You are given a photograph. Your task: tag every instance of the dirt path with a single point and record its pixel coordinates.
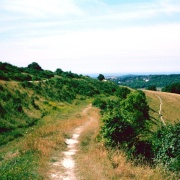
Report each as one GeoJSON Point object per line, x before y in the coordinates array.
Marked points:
{"type": "Point", "coordinates": [160, 109]}
{"type": "Point", "coordinates": [64, 167]}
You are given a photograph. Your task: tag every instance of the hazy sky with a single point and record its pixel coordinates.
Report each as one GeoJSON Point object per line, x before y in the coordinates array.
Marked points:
{"type": "Point", "coordinates": [92, 36]}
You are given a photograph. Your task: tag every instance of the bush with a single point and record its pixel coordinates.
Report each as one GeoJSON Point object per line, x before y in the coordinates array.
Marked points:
{"type": "Point", "coordinates": [126, 123]}
{"type": "Point", "coordinates": [116, 130]}
{"type": "Point", "coordinates": [166, 146]}
{"type": "Point", "coordinates": [3, 76]}
{"type": "Point", "coordinates": [99, 102]}
{"type": "Point", "coordinates": [122, 92]}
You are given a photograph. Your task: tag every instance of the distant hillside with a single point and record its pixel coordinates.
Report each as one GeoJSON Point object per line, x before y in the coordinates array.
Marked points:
{"type": "Point", "coordinates": [143, 81]}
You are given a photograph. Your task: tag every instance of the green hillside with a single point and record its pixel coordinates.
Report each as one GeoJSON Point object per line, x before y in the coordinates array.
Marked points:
{"type": "Point", "coordinates": [40, 108]}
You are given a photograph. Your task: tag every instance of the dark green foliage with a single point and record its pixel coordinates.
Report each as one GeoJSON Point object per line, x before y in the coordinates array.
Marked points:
{"type": "Point", "coordinates": [37, 72]}
{"type": "Point", "coordinates": [35, 66]}
{"type": "Point", "coordinates": [100, 77]}
{"type": "Point", "coordinates": [173, 88]}
{"type": "Point", "coordinates": [15, 103]}
{"type": "Point", "coordinates": [32, 72]}
{"type": "Point", "coordinates": [6, 67]}
{"type": "Point", "coordinates": [6, 71]}
{"type": "Point", "coordinates": [27, 84]}
{"type": "Point", "coordinates": [126, 124]}
{"type": "Point", "coordinates": [129, 115]}
{"type": "Point", "coordinates": [99, 102]}
{"type": "Point", "coordinates": [151, 87]}
{"type": "Point", "coordinates": [3, 76]}
{"type": "Point", "coordinates": [137, 109]}
{"type": "Point", "coordinates": [143, 81]}
{"type": "Point", "coordinates": [58, 72]}
{"type": "Point", "coordinates": [69, 74]}
{"type": "Point", "coordinates": [122, 92]}
{"type": "Point", "coordinates": [116, 129]}
{"type": "Point", "coordinates": [166, 146]}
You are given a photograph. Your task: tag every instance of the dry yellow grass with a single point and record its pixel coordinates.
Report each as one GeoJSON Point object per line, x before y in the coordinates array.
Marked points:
{"type": "Point", "coordinates": [170, 105]}
{"type": "Point", "coordinates": [48, 136]}
{"type": "Point", "coordinates": [95, 162]}
{"type": "Point", "coordinates": [50, 139]}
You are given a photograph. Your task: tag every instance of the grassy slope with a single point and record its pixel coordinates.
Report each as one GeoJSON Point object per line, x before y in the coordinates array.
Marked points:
{"type": "Point", "coordinates": [27, 156]}
{"type": "Point", "coordinates": [112, 164]}
{"type": "Point", "coordinates": [95, 162]}
{"type": "Point", "coordinates": [170, 106]}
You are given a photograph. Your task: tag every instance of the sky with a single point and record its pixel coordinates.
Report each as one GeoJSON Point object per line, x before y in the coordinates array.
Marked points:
{"type": "Point", "coordinates": [92, 36]}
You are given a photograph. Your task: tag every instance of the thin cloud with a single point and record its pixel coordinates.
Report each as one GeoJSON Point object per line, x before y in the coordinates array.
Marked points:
{"type": "Point", "coordinates": [41, 8]}
{"type": "Point", "coordinates": [90, 35]}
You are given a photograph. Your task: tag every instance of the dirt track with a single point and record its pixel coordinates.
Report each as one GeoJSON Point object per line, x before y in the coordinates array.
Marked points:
{"type": "Point", "coordinates": [63, 168]}
{"type": "Point", "coordinates": [160, 109]}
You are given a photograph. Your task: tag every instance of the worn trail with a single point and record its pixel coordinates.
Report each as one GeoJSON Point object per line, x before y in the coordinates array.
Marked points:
{"type": "Point", "coordinates": [67, 163]}
{"type": "Point", "coordinates": [160, 109]}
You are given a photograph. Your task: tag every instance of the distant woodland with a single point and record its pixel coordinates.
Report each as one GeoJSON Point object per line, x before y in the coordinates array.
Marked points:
{"type": "Point", "coordinates": [144, 81]}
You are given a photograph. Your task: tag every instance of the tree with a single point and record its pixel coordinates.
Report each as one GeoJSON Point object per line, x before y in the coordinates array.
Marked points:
{"type": "Point", "coordinates": [101, 77]}
{"type": "Point", "coordinates": [35, 66]}
{"type": "Point", "coordinates": [173, 88]}
{"type": "Point", "coordinates": [59, 71]}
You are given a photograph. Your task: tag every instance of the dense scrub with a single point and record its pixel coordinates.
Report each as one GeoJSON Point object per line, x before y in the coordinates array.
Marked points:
{"type": "Point", "coordinates": [19, 101]}
{"type": "Point", "coordinates": [126, 124]}
{"type": "Point", "coordinates": [166, 146]}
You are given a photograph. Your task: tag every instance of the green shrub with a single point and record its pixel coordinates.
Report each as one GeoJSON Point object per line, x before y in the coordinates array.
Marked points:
{"type": "Point", "coordinates": [3, 76]}
{"type": "Point", "coordinates": [99, 102]}
{"type": "Point", "coordinates": [126, 123]}
{"type": "Point", "coordinates": [116, 130]}
{"type": "Point", "coordinates": [122, 92]}
{"type": "Point", "coordinates": [166, 145]}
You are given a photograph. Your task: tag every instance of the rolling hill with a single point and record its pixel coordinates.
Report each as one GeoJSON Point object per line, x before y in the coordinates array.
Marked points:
{"type": "Point", "coordinates": [39, 109]}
